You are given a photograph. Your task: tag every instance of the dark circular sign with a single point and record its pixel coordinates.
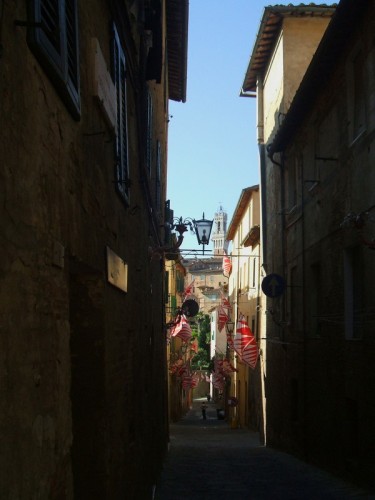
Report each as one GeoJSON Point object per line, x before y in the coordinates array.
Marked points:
{"type": "Point", "coordinates": [232, 401]}
{"type": "Point", "coordinates": [273, 285]}
{"type": "Point", "coordinates": [190, 307]}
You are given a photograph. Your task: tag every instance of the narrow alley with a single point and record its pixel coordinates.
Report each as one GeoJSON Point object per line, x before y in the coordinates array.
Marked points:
{"type": "Point", "coordinates": [209, 460]}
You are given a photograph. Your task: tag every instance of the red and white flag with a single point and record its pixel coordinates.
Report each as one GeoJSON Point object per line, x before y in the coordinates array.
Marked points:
{"type": "Point", "coordinates": [218, 381]}
{"type": "Point", "coordinates": [244, 343]}
{"type": "Point", "coordinates": [227, 266]}
{"type": "Point", "coordinates": [227, 367]}
{"type": "Point", "coordinates": [222, 318]}
{"type": "Point", "coordinates": [195, 380]}
{"type": "Point", "coordinates": [182, 330]}
{"type": "Point", "coordinates": [225, 302]}
{"type": "Point", "coordinates": [189, 289]}
{"type": "Point", "coordinates": [187, 382]}
{"type": "Point", "coordinates": [182, 371]}
{"type": "Point", "coordinates": [194, 345]}
{"type": "Point", "coordinates": [250, 353]}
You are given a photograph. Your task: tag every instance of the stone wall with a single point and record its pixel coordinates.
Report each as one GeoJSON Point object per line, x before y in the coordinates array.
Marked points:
{"type": "Point", "coordinates": [83, 378]}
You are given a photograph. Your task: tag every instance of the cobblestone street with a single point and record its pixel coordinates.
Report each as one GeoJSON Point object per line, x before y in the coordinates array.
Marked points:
{"type": "Point", "coordinates": [208, 460]}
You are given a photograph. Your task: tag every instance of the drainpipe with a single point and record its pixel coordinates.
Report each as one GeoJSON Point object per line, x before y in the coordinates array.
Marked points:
{"type": "Point", "coordinates": [262, 166]}
{"type": "Point", "coordinates": [260, 111]}
{"type": "Point", "coordinates": [263, 207]}
{"type": "Point", "coordinates": [304, 325]}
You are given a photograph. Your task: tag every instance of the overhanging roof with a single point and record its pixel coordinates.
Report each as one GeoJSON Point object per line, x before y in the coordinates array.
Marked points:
{"type": "Point", "coordinates": [177, 47]}
{"type": "Point", "coordinates": [268, 33]}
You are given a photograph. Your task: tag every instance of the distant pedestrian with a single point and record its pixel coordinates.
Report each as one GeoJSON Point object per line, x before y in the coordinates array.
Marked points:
{"type": "Point", "coordinates": [204, 408]}
{"type": "Point", "coordinates": [208, 397]}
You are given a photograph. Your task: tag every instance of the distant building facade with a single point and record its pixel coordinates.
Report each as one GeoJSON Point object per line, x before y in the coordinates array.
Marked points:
{"type": "Point", "coordinates": [208, 280]}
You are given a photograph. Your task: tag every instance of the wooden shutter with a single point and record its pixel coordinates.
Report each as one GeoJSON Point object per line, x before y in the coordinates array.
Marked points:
{"type": "Point", "coordinates": [72, 44]}
{"type": "Point", "coordinates": [158, 177]}
{"type": "Point", "coordinates": [150, 112]}
{"type": "Point", "coordinates": [53, 38]}
{"type": "Point", "coordinates": [121, 146]}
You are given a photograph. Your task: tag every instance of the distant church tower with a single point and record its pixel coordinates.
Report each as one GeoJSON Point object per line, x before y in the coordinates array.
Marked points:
{"type": "Point", "coordinates": [219, 232]}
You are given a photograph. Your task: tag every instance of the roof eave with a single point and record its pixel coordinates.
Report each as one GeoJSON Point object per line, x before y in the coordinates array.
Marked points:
{"type": "Point", "coordinates": [268, 32]}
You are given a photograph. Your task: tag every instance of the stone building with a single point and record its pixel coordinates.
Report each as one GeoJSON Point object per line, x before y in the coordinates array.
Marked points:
{"type": "Point", "coordinates": [244, 296]}
{"type": "Point", "coordinates": [83, 147]}
{"type": "Point", "coordinates": [318, 231]}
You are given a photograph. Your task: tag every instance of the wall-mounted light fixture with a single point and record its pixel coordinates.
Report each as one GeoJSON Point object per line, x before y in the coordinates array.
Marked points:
{"type": "Point", "coordinates": [201, 228]}
{"type": "Point", "coordinates": [229, 325]}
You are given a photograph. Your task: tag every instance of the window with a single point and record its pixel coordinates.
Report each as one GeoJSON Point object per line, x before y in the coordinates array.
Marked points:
{"type": "Point", "coordinates": [53, 38]}
{"type": "Point", "coordinates": [356, 79]}
{"type": "Point", "coordinates": [254, 273]}
{"type": "Point", "coordinates": [314, 299]}
{"type": "Point", "coordinates": [326, 146]}
{"type": "Point", "coordinates": [359, 94]}
{"type": "Point", "coordinates": [293, 172]}
{"type": "Point", "coordinates": [149, 133]}
{"type": "Point", "coordinates": [121, 143]}
{"type": "Point", "coordinates": [166, 287]}
{"type": "Point", "coordinates": [158, 177]}
{"type": "Point", "coordinates": [353, 275]}
{"type": "Point", "coordinates": [245, 280]}
{"type": "Point", "coordinates": [295, 296]}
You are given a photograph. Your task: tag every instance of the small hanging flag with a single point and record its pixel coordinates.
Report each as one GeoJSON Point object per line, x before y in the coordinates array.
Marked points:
{"type": "Point", "coordinates": [182, 330]}
{"type": "Point", "coordinates": [222, 318]}
{"type": "Point", "coordinates": [227, 266]}
{"type": "Point", "coordinates": [244, 343]}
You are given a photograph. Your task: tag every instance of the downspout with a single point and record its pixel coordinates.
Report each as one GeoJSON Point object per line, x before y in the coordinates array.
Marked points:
{"type": "Point", "coordinates": [263, 207]}
{"type": "Point", "coordinates": [262, 167]}
{"type": "Point", "coordinates": [304, 305]}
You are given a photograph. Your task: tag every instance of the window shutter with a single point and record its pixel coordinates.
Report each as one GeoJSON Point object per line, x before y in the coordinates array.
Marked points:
{"type": "Point", "coordinates": [149, 132]}
{"type": "Point", "coordinates": [53, 38]}
{"type": "Point", "coordinates": [72, 44]}
{"type": "Point", "coordinates": [158, 177]}
{"type": "Point", "coordinates": [50, 18]}
{"type": "Point", "coordinates": [121, 151]}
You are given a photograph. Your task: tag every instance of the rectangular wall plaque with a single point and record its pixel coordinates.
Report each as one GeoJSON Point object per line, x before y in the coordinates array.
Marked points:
{"type": "Point", "coordinates": [117, 271]}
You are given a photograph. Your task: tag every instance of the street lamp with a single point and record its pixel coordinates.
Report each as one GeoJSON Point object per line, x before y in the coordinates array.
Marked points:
{"type": "Point", "coordinates": [229, 325]}
{"type": "Point", "coordinates": [203, 230]}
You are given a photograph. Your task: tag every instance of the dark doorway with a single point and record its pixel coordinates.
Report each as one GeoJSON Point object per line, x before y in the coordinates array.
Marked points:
{"type": "Point", "coordinates": [86, 290]}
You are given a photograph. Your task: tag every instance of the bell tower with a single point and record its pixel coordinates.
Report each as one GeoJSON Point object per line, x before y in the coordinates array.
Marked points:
{"type": "Point", "coordinates": [219, 232]}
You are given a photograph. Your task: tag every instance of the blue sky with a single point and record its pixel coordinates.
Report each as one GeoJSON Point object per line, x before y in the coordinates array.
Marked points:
{"type": "Point", "coordinates": [212, 147]}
